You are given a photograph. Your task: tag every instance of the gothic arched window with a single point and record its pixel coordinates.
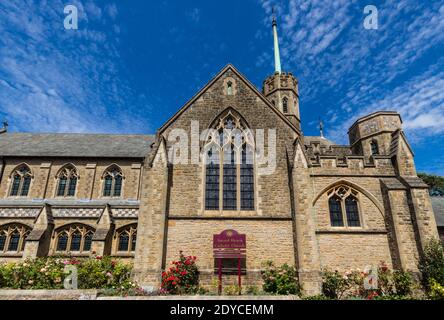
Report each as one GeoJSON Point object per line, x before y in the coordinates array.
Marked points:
{"type": "Point", "coordinates": [285, 105]}
{"type": "Point", "coordinates": [343, 207]}
{"type": "Point", "coordinates": [75, 238]}
{"type": "Point", "coordinates": [21, 181]}
{"type": "Point", "coordinates": [112, 186]}
{"type": "Point", "coordinates": [375, 148]}
{"type": "Point", "coordinates": [229, 166]}
{"type": "Point", "coordinates": [67, 181]}
{"type": "Point", "coordinates": [13, 237]}
{"type": "Point", "coordinates": [126, 239]}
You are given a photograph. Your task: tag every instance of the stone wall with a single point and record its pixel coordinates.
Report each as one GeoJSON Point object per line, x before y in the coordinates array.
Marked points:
{"type": "Point", "coordinates": [90, 184]}
{"type": "Point", "coordinates": [266, 240]}
{"type": "Point", "coordinates": [272, 191]}
{"type": "Point", "coordinates": [345, 251]}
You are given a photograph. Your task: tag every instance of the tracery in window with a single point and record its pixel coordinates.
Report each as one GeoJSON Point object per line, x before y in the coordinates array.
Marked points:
{"type": "Point", "coordinates": [76, 238]}
{"type": "Point", "coordinates": [67, 181]}
{"type": "Point", "coordinates": [112, 186]}
{"type": "Point", "coordinates": [229, 166]}
{"type": "Point", "coordinates": [126, 238]}
{"type": "Point", "coordinates": [13, 238]}
{"type": "Point", "coordinates": [21, 181]}
{"type": "Point", "coordinates": [343, 206]}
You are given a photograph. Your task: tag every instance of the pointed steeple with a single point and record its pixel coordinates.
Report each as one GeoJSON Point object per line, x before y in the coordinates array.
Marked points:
{"type": "Point", "coordinates": [277, 55]}
{"type": "Point", "coordinates": [321, 128]}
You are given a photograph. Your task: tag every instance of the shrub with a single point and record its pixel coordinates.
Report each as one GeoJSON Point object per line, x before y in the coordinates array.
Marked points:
{"type": "Point", "coordinates": [317, 297]}
{"type": "Point", "coordinates": [280, 280]}
{"type": "Point", "coordinates": [232, 290]}
{"type": "Point", "coordinates": [48, 273]}
{"type": "Point", "coordinates": [252, 290]}
{"type": "Point", "coordinates": [182, 278]}
{"type": "Point", "coordinates": [104, 273]}
{"type": "Point", "coordinates": [391, 284]}
{"type": "Point", "coordinates": [334, 284]}
{"type": "Point", "coordinates": [436, 291]}
{"type": "Point", "coordinates": [403, 283]}
{"type": "Point", "coordinates": [432, 264]}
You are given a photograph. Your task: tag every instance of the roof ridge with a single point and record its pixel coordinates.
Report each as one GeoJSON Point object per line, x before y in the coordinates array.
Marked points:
{"type": "Point", "coordinates": [79, 134]}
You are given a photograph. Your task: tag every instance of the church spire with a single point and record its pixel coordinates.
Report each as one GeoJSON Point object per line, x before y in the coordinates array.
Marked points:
{"type": "Point", "coordinates": [277, 56]}
{"type": "Point", "coordinates": [321, 128]}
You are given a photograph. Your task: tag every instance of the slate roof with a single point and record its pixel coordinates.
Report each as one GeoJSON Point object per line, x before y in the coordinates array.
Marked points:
{"type": "Point", "coordinates": [438, 209]}
{"type": "Point", "coordinates": [322, 146]}
{"type": "Point", "coordinates": [75, 145]}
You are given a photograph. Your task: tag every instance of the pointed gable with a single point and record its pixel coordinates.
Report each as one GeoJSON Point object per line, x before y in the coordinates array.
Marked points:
{"type": "Point", "coordinates": [229, 69]}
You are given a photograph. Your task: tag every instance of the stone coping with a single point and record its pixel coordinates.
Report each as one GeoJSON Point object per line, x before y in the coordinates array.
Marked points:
{"type": "Point", "coordinates": [206, 298]}
{"type": "Point", "coordinates": [10, 294]}
{"type": "Point", "coordinates": [93, 295]}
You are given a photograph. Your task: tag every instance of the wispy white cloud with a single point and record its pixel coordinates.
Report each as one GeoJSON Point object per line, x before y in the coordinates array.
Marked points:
{"type": "Point", "coordinates": [52, 79]}
{"type": "Point", "coordinates": [361, 71]}
{"type": "Point", "coordinates": [194, 15]}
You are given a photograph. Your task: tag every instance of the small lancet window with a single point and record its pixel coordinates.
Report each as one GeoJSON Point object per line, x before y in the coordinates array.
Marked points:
{"type": "Point", "coordinates": [21, 181]}
{"type": "Point", "coordinates": [126, 239]}
{"type": "Point", "coordinates": [67, 182]}
{"type": "Point", "coordinates": [113, 182]}
{"type": "Point", "coordinates": [230, 88]}
{"type": "Point", "coordinates": [285, 105]}
{"type": "Point", "coordinates": [374, 147]}
{"type": "Point", "coordinates": [351, 208]}
{"type": "Point", "coordinates": [336, 218]}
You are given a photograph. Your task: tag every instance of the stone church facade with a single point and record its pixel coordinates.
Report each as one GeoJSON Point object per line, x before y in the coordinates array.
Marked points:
{"type": "Point", "coordinates": [321, 205]}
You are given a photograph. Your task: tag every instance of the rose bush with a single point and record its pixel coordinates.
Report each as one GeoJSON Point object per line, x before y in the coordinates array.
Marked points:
{"type": "Point", "coordinates": [391, 284]}
{"type": "Point", "coordinates": [182, 277]}
{"type": "Point", "coordinates": [48, 273]}
{"type": "Point", "coordinates": [280, 280]}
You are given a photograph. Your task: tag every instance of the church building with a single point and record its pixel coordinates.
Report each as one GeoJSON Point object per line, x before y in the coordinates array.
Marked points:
{"type": "Point", "coordinates": [250, 188]}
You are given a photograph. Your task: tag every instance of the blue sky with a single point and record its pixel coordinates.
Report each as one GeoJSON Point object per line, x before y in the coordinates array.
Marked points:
{"type": "Point", "coordinates": [132, 64]}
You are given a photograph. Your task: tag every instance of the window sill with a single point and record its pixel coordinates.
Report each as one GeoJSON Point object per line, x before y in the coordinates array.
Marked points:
{"type": "Point", "coordinates": [72, 254]}
{"type": "Point", "coordinates": [351, 231]}
{"type": "Point", "coordinates": [11, 255]}
{"type": "Point", "coordinates": [230, 213]}
{"type": "Point", "coordinates": [123, 255]}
